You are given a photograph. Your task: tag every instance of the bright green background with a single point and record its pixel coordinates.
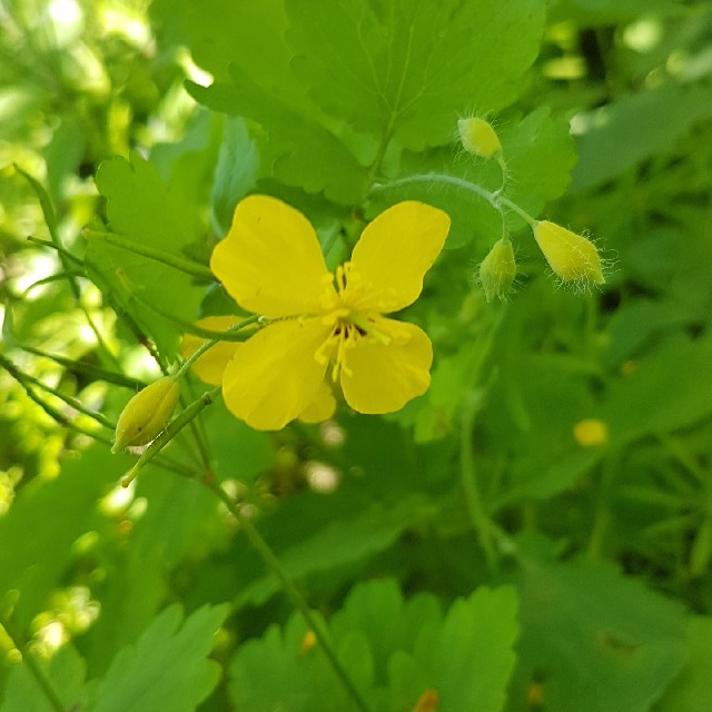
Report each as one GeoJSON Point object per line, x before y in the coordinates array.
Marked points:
{"type": "Point", "coordinates": [153, 120]}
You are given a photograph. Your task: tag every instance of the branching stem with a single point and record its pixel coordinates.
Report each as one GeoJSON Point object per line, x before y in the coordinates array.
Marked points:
{"type": "Point", "coordinates": [496, 199]}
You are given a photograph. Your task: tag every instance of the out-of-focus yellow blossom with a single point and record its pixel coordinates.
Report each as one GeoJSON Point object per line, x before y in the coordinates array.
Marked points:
{"type": "Point", "coordinates": [591, 432]}
{"type": "Point", "coordinates": [572, 257]}
{"type": "Point", "coordinates": [271, 263]}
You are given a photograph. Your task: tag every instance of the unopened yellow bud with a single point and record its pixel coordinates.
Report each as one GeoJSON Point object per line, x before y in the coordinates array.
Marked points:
{"type": "Point", "coordinates": [146, 414]}
{"type": "Point", "coordinates": [572, 257]}
{"type": "Point", "coordinates": [498, 270]}
{"type": "Point", "coordinates": [478, 137]}
{"type": "Point", "coordinates": [591, 432]}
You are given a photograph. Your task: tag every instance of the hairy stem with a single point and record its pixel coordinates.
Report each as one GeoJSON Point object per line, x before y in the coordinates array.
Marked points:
{"type": "Point", "coordinates": [496, 200]}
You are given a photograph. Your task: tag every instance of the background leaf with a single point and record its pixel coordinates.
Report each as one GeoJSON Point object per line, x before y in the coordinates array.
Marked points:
{"type": "Point", "coordinates": [167, 667]}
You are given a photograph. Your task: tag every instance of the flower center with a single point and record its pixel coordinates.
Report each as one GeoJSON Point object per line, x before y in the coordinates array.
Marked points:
{"type": "Point", "coordinates": [349, 324]}
{"type": "Point", "coordinates": [348, 329]}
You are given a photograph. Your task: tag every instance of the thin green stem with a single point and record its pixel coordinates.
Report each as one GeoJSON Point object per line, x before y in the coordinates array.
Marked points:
{"type": "Point", "coordinates": [182, 264]}
{"type": "Point", "coordinates": [64, 253]}
{"type": "Point", "coordinates": [58, 277]}
{"type": "Point", "coordinates": [36, 671]}
{"type": "Point", "coordinates": [89, 369]}
{"type": "Point", "coordinates": [69, 400]}
{"type": "Point", "coordinates": [50, 218]}
{"type": "Point", "coordinates": [187, 326]}
{"type": "Point", "coordinates": [496, 200]}
{"type": "Point", "coordinates": [468, 471]}
{"type": "Point", "coordinates": [26, 384]}
{"type": "Point", "coordinates": [523, 214]}
{"type": "Point", "coordinates": [477, 390]}
{"type": "Point", "coordinates": [203, 348]}
{"type": "Point", "coordinates": [274, 564]}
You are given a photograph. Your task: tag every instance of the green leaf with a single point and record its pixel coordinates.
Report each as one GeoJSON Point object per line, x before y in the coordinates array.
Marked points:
{"type": "Point", "coordinates": [635, 324]}
{"type": "Point", "coordinates": [278, 672]}
{"type": "Point", "coordinates": [236, 170]}
{"type": "Point", "coordinates": [691, 691]}
{"type": "Point", "coordinates": [180, 521]}
{"type": "Point", "coordinates": [141, 208]}
{"type": "Point", "coordinates": [395, 649]}
{"type": "Point", "coordinates": [540, 154]}
{"type": "Point", "coordinates": [610, 12]}
{"type": "Point", "coordinates": [239, 452]}
{"type": "Point", "coordinates": [585, 627]}
{"type": "Point", "coordinates": [407, 69]}
{"type": "Point", "coordinates": [670, 385]}
{"type": "Point", "coordinates": [168, 668]}
{"type": "Point", "coordinates": [56, 512]}
{"type": "Point", "coordinates": [65, 673]}
{"type": "Point", "coordinates": [615, 138]}
{"type": "Point", "coordinates": [63, 154]}
{"type": "Point", "coordinates": [300, 151]}
{"type": "Point", "coordinates": [339, 542]}
{"type": "Point", "coordinates": [467, 660]}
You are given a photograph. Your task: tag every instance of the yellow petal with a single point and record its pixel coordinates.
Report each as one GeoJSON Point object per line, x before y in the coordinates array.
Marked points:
{"type": "Point", "coordinates": [275, 374]}
{"type": "Point", "coordinates": [270, 262]}
{"type": "Point", "coordinates": [385, 369]}
{"type": "Point", "coordinates": [321, 408]}
{"type": "Point", "coordinates": [210, 366]}
{"type": "Point", "coordinates": [392, 256]}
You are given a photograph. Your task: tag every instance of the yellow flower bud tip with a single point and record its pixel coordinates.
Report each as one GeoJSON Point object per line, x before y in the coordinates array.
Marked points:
{"type": "Point", "coordinates": [478, 137]}
{"type": "Point", "coordinates": [591, 432]}
{"type": "Point", "coordinates": [572, 257]}
{"type": "Point", "coordinates": [498, 270]}
{"type": "Point", "coordinates": [146, 414]}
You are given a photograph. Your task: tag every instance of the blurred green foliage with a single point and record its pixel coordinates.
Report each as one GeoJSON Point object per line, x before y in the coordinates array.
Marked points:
{"type": "Point", "coordinates": [486, 548]}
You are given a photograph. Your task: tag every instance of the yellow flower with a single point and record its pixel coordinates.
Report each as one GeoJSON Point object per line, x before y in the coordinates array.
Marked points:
{"type": "Point", "coordinates": [572, 257]}
{"type": "Point", "coordinates": [591, 432]}
{"type": "Point", "coordinates": [324, 325]}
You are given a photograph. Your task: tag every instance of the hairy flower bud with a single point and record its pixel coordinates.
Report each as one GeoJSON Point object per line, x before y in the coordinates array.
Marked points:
{"type": "Point", "coordinates": [146, 414]}
{"type": "Point", "coordinates": [478, 137]}
{"type": "Point", "coordinates": [572, 257]}
{"type": "Point", "coordinates": [498, 270]}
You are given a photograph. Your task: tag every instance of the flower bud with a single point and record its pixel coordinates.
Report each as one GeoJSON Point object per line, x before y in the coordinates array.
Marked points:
{"type": "Point", "coordinates": [478, 137]}
{"type": "Point", "coordinates": [498, 270]}
{"type": "Point", "coordinates": [572, 257]}
{"type": "Point", "coordinates": [146, 414]}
